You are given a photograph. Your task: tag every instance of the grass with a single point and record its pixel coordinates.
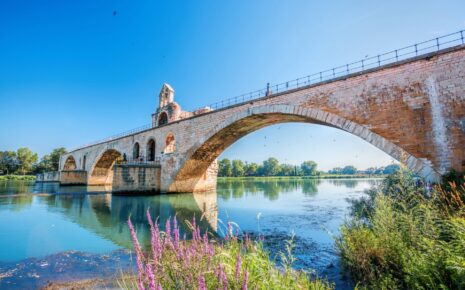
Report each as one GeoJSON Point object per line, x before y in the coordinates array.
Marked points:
{"type": "Point", "coordinates": [207, 263]}
{"type": "Point", "coordinates": [17, 177]}
{"type": "Point", "coordinates": [405, 236]}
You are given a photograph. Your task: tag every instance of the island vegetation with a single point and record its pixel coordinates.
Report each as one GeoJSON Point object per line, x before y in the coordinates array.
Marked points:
{"type": "Point", "coordinates": [273, 168]}
{"type": "Point", "coordinates": [23, 163]}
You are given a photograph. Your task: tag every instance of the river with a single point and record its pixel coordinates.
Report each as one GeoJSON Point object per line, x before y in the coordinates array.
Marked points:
{"type": "Point", "coordinates": [53, 233]}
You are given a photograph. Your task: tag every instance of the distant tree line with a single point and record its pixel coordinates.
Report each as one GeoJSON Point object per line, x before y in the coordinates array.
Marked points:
{"type": "Point", "coordinates": [272, 167]}
{"type": "Point", "coordinates": [269, 167]}
{"type": "Point", "coordinates": [23, 161]}
{"type": "Point", "coordinates": [349, 169]}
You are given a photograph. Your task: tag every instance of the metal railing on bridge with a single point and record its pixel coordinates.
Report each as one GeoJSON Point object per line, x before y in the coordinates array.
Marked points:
{"type": "Point", "coordinates": [418, 49]}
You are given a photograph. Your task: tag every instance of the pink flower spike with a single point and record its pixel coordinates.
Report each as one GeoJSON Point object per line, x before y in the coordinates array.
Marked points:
{"type": "Point", "coordinates": [202, 285]}
{"type": "Point", "coordinates": [238, 266]}
{"type": "Point", "coordinates": [137, 249]}
{"type": "Point", "coordinates": [246, 278]}
{"type": "Point", "coordinates": [150, 277]}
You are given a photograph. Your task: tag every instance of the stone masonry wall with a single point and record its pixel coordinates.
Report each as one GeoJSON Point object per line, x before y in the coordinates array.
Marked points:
{"type": "Point", "coordinates": [133, 178]}
{"type": "Point", "coordinates": [73, 177]}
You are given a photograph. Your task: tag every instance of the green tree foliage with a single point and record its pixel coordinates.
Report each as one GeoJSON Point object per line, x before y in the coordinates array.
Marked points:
{"type": "Point", "coordinates": [238, 168]}
{"type": "Point", "coordinates": [349, 169]}
{"type": "Point", "coordinates": [390, 169]}
{"type": "Point", "coordinates": [271, 167]}
{"type": "Point", "coordinates": [308, 168]}
{"type": "Point", "coordinates": [8, 162]}
{"type": "Point", "coordinates": [50, 162]}
{"type": "Point", "coordinates": [251, 169]}
{"type": "Point", "coordinates": [335, 170]}
{"type": "Point", "coordinates": [287, 170]}
{"type": "Point", "coordinates": [26, 159]}
{"type": "Point", "coordinates": [225, 168]}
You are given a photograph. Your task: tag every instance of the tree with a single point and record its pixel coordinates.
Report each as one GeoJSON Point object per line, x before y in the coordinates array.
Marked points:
{"type": "Point", "coordinates": [308, 168]}
{"type": "Point", "coordinates": [238, 168]}
{"type": "Point", "coordinates": [50, 162]}
{"type": "Point", "coordinates": [335, 170]}
{"type": "Point", "coordinates": [287, 170]}
{"type": "Point", "coordinates": [390, 169]}
{"type": "Point", "coordinates": [26, 158]}
{"type": "Point", "coordinates": [8, 162]}
{"type": "Point", "coordinates": [349, 169]}
{"type": "Point", "coordinates": [271, 167]}
{"type": "Point", "coordinates": [251, 169]}
{"type": "Point", "coordinates": [225, 168]}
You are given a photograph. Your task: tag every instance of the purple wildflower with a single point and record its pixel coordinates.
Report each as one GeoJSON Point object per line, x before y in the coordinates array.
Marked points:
{"type": "Point", "coordinates": [139, 254]}
{"type": "Point", "coordinates": [155, 237]}
{"type": "Point", "coordinates": [150, 277]}
{"type": "Point", "coordinates": [202, 285]}
{"type": "Point", "coordinates": [246, 278]}
{"type": "Point", "coordinates": [238, 266]}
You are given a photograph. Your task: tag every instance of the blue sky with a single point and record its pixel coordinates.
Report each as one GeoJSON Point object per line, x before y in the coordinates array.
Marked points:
{"type": "Point", "coordinates": [76, 71]}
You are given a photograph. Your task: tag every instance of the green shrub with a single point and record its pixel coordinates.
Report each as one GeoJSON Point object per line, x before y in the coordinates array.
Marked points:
{"type": "Point", "coordinates": [17, 177]}
{"type": "Point", "coordinates": [404, 237]}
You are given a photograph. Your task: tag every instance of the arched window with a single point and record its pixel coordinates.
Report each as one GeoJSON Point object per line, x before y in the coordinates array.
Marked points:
{"type": "Point", "coordinates": [163, 119]}
{"type": "Point", "coordinates": [136, 151]}
{"type": "Point", "coordinates": [170, 144]}
{"type": "Point", "coordinates": [151, 150]}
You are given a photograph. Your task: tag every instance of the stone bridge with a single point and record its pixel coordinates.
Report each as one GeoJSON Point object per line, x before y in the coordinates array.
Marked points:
{"type": "Point", "coordinates": [414, 110]}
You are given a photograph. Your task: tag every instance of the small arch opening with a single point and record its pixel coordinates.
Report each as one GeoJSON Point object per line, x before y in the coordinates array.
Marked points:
{"type": "Point", "coordinates": [70, 163]}
{"type": "Point", "coordinates": [170, 146]}
{"type": "Point", "coordinates": [84, 159]}
{"type": "Point", "coordinates": [151, 150]}
{"type": "Point", "coordinates": [163, 119]}
{"type": "Point", "coordinates": [136, 151]}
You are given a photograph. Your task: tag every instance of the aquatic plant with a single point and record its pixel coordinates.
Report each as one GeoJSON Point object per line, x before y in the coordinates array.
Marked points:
{"type": "Point", "coordinates": [204, 262]}
{"type": "Point", "coordinates": [406, 236]}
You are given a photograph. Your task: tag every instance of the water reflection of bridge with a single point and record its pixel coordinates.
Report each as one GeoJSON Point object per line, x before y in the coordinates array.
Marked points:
{"type": "Point", "coordinates": [107, 215]}
{"type": "Point", "coordinates": [96, 210]}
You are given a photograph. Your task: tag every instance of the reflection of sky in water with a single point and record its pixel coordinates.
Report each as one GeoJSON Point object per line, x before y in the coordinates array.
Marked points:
{"type": "Point", "coordinates": [54, 219]}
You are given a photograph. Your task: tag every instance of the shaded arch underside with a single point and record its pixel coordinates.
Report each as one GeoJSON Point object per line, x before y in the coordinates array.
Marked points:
{"type": "Point", "coordinates": [200, 163]}
{"type": "Point", "coordinates": [70, 163]}
{"type": "Point", "coordinates": [102, 172]}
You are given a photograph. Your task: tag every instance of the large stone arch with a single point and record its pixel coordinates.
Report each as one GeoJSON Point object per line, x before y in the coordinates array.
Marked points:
{"type": "Point", "coordinates": [196, 170]}
{"type": "Point", "coordinates": [101, 172]}
{"type": "Point", "coordinates": [70, 163]}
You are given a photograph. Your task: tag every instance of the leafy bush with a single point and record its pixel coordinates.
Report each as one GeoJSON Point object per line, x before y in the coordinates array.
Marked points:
{"type": "Point", "coordinates": [205, 263]}
{"type": "Point", "coordinates": [404, 236]}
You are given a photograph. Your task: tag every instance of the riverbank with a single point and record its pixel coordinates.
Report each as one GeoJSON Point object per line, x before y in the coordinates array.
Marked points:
{"type": "Point", "coordinates": [17, 177]}
{"type": "Point", "coordinates": [205, 262]}
{"type": "Point", "coordinates": [323, 176]}
{"type": "Point", "coordinates": [403, 236]}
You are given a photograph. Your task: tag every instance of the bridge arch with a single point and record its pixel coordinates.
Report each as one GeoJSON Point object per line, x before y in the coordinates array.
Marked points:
{"type": "Point", "coordinates": [102, 170]}
{"type": "Point", "coordinates": [199, 163]}
{"type": "Point", "coordinates": [70, 163]}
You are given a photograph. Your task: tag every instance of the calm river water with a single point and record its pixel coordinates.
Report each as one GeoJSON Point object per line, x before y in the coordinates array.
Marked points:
{"type": "Point", "coordinates": [53, 233]}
